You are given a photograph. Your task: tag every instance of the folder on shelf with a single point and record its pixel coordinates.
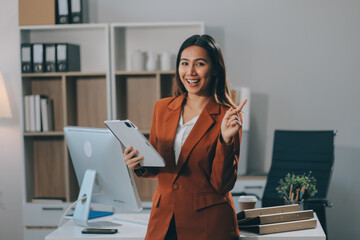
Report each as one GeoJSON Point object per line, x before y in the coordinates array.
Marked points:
{"type": "Point", "coordinates": [79, 11]}
{"type": "Point", "coordinates": [62, 12]}
{"type": "Point", "coordinates": [277, 217]}
{"type": "Point", "coordinates": [68, 57]}
{"type": "Point", "coordinates": [38, 57]}
{"type": "Point", "coordinates": [251, 213]}
{"type": "Point", "coordinates": [47, 119]}
{"type": "Point", "coordinates": [26, 58]}
{"type": "Point", "coordinates": [50, 57]}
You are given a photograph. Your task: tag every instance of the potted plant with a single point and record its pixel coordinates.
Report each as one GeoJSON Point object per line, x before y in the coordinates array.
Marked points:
{"type": "Point", "coordinates": [296, 188]}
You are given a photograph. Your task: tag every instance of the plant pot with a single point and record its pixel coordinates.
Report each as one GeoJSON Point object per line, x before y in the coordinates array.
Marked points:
{"type": "Point", "coordinates": [301, 203]}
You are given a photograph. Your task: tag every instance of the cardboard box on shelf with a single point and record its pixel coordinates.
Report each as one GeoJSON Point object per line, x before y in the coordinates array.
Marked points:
{"type": "Point", "coordinates": [36, 12]}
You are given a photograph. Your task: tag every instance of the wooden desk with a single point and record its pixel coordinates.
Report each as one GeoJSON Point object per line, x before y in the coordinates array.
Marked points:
{"type": "Point", "coordinates": [134, 228]}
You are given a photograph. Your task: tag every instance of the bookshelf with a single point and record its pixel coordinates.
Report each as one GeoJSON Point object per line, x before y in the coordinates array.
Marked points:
{"type": "Point", "coordinates": [78, 100]}
{"type": "Point", "coordinates": [104, 88]}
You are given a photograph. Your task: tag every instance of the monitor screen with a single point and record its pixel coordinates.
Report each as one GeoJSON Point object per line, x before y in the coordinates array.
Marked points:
{"type": "Point", "coordinates": [102, 173]}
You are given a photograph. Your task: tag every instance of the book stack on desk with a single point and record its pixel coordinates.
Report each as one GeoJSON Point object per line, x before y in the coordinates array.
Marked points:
{"type": "Point", "coordinates": [276, 219]}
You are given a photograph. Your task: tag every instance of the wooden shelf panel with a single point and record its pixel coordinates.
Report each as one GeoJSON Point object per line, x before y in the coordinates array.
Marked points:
{"type": "Point", "coordinates": [44, 134]}
{"type": "Point", "coordinates": [42, 75]}
{"type": "Point", "coordinates": [85, 74]}
{"type": "Point", "coordinates": [64, 26]}
{"type": "Point", "coordinates": [49, 166]}
{"type": "Point", "coordinates": [136, 96]}
{"type": "Point", "coordinates": [86, 101]}
{"type": "Point", "coordinates": [137, 92]}
{"type": "Point", "coordinates": [146, 188]}
{"type": "Point", "coordinates": [129, 73]}
{"type": "Point", "coordinates": [61, 74]}
{"type": "Point", "coordinates": [145, 132]}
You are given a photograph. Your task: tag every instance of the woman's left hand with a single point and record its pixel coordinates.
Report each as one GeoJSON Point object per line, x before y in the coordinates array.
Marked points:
{"type": "Point", "coordinates": [231, 123]}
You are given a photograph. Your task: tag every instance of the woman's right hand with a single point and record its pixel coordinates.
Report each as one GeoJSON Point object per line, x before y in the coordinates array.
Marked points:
{"type": "Point", "coordinates": [131, 158]}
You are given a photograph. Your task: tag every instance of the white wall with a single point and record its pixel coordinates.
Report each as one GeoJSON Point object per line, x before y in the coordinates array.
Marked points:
{"type": "Point", "coordinates": [300, 58]}
{"type": "Point", "coordinates": [11, 171]}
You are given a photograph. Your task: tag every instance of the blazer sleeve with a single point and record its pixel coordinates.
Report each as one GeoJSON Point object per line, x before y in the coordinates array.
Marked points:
{"type": "Point", "coordinates": [224, 167]}
{"type": "Point", "coordinates": [150, 172]}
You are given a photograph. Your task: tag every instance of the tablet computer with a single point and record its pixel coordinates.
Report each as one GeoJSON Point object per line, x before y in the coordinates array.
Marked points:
{"type": "Point", "coordinates": [129, 135]}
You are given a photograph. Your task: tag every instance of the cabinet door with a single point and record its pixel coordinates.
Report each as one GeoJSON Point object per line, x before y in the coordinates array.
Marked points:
{"type": "Point", "coordinates": [37, 233]}
{"type": "Point", "coordinates": [86, 100]}
{"type": "Point", "coordinates": [36, 214]}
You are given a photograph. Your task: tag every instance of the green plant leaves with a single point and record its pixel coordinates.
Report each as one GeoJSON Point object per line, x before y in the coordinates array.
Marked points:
{"type": "Point", "coordinates": [304, 181]}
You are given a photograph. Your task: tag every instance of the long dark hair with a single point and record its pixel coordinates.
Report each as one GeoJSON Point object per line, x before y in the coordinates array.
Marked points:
{"type": "Point", "coordinates": [219, 86]}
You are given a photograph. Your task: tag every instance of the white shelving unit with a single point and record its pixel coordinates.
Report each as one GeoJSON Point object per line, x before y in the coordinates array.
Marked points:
{"type": "Point", "coordinates": [80, 99]}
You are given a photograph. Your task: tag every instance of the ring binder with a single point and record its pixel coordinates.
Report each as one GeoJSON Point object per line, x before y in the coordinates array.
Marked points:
{"type": "Point", "coordinates": [68, 57]}
{"type": "Point", "coordinates": [38, 57]}
{"type": "Point", "coordinates": [26, 58]}
{"type": "Point", "coordinates": [50, 57]}
{"type": "Point", "coordinates": [79, 11]}
{"type": "Point", "coordinates": [62, 12]}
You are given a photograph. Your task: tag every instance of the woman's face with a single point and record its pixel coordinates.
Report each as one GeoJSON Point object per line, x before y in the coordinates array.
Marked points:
{"type": "Point", "coordinates": [195, 70]}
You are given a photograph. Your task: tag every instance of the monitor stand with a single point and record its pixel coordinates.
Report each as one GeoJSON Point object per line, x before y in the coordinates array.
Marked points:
{"type": "Point", "coordinates": [82, 209]}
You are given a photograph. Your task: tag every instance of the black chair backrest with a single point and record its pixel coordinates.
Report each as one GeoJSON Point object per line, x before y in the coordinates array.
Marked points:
{"type": "Point", "coordinates": [299, 152]}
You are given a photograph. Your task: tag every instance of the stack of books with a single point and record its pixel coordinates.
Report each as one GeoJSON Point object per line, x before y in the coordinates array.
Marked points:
{"type": "Point", "coordinates": [39, 114]}
{"type": "Point", "coordinates": [276, 219]}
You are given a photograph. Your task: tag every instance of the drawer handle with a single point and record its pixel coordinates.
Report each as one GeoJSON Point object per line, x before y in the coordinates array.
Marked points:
{"type": "Point", "coordinates": [52, 208]}
{"type": "Point", "coordinates": [253, 187]}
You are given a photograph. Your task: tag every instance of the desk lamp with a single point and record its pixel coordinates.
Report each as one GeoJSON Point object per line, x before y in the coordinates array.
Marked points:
{"type": "Point", "coordinates": [5, 111]}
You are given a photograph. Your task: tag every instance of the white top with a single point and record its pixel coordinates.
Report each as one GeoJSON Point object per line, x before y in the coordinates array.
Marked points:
{"type": "Point", "coordinates": [182, 132]}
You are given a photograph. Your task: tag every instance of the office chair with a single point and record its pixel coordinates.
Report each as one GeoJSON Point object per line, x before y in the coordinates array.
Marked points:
{"type": "Point", "coordinates": [299, 152]}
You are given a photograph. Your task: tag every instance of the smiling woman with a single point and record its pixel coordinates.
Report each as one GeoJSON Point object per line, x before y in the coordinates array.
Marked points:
{"type": "Point", "coordinates": [206, 46]}
{"type": "Point", "coordinates": [198, 134]}
{"type": "Point", "coordinates": [195, 71]}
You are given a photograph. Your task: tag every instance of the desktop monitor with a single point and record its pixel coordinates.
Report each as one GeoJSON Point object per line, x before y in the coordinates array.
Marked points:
{"type": "Point", "coordinates": [101, 172]}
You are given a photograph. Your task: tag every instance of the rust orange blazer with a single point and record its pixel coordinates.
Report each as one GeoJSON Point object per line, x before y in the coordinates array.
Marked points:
{"type": "Point", "coordinates": [196, 190]}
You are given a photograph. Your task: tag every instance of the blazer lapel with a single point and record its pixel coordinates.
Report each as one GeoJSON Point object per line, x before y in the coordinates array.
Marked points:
{"type": "Point", "coordinates": [172, 117]}
{"type": "Point", "coordinates": [203, 124]}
